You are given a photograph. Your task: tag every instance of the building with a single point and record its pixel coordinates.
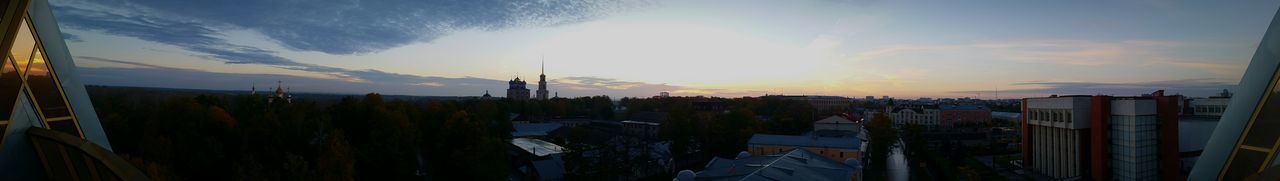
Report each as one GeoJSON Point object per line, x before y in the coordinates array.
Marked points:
{"type": "Point", "coordinates": [46, 117]}
{"type": "Point", "coordinates": [1101, 137]}
{"type": "Point", "coordinates": [644, 124]}
{"type": "Point", "coordinates": [516, 90]}
{"type": "Point", "coordinates": [871, 98]}
{"type": "Point", "coordinates": [1210, 106]}
{"type": "Point", "coordinates": [486, 95]}
{"type": "Point", "coordinates": [1213, 106]}
{"type": "Point", "coordinates": [952, 114]}
{"type": "Point", "coordinates": [664, 94]}
{"type": "Point", "coordinates": [533, 130]}
{"type": "Point", "coordinates": [818, 102]}
{"type": "Point", "coordinates": [924, 115]}
{"type": "Point", "coordinates": [641, 129]}
{"type": "Point", "coordinates": [534, 159]}
{"type": "Point", "coordinates": [542, 84]}
{"type": "Point", "coordinates": [795, 164]}
{"type": "Point", "coordinates": [836, 123]}
{"type": "Point", "coordinates": [280, 95]}
{"type": "Point", "coordinates": [1243, 143]}
{"type": "Point", "coordinates": [834, 148]}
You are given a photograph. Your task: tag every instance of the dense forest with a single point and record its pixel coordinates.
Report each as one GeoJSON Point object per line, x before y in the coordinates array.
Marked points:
{"type": "Point", "coordinates": [219, 136]}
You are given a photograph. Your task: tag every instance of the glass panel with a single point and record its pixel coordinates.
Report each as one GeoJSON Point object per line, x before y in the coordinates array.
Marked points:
{"type": "Point", "coordinates": [10, 83]}
{"type": "Point", "coordinates": [22, 46]}
{"type": "Point", "coordinates": [65, 126]}
{"type": "Point", "coordinates": [4, 125]}
{"type": "Point", "coordinates": [1262, 132]}
{"type": "Point", "coordinates": [1246, 163]}
{"type": "Point", "coordinates": [45, 88]}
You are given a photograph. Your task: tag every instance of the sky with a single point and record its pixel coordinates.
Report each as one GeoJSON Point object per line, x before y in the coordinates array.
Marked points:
{"type": "Point", "coordinates": [626, 48]}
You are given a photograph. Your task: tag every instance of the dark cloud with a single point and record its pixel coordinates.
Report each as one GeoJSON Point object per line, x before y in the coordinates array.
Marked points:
{"type": "Point", "coordinates": [345, 26]}
{"type": "Point", "coordinates": [338, 27]}
{"type": "Point", "coordinates": [1190, 87]}
{"type": "Point", "coordinates": [71, 37]}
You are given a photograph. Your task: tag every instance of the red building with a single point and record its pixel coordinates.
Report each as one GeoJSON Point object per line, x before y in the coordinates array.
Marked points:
{"type": "Point", "coordinates": [1101, 137]}
{"type": "Point", "coordinates": [952, 114]}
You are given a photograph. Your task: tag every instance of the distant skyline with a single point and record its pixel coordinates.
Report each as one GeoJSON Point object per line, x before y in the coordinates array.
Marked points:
{"type": "Point", "coordinates": [640, 48]}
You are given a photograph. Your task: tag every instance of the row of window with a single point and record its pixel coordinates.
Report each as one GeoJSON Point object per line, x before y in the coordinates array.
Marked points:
{"type": "Point", "coordinates": [1209, 109]}
{"type": "Point", "coordinates": [1051, 115]}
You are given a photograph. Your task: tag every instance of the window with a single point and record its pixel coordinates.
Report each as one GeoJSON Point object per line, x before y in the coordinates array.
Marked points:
{"type": "Point", "coordinates": [9, 85]}
{"type": "Point", "coordinates": [35, 75]}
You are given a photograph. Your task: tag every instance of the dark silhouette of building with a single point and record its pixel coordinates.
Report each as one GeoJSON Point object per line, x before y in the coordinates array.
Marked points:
{"type": "Point", "coordinates": [542, 83]}
{"type": "Point", "coordinates": [516, 90]}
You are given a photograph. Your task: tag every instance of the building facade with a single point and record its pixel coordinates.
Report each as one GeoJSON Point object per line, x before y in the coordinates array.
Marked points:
{"type": "Point", "coordinates": [1211, 106]}
{"type": "Point", "coordinates": [834, 148]}
{"type": "Point", "coordinates": [952, 114]}
{"type": "Point", "coordinates": [924, 115]}
{"type": "Point", "coordinates": [648, 130]}
{"type": "Point", "coordinates": [516, 90]}
{"type": "Point", "coordinates": [46, 118]}
{"type": "Point", "coordinates": [1101, 137]}
{"type": "Point", "coordinates": [836, 123]}
{"type": "Point", "coordinates": [819, 102]}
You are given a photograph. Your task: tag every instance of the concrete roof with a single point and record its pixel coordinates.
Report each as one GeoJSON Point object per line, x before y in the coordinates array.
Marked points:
{"type": "Point", "coordinates": [537, 147]}
{"type": "Point", "coordinates": [834, 120]}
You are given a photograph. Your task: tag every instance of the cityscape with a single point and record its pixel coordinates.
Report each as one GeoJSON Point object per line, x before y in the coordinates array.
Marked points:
{"type": "Point", "coordinates": [653, 90]}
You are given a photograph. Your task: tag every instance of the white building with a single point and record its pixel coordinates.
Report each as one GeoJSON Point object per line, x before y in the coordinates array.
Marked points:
{"type": "Point", "coordinates": [1058, 125]}
{"type": "Point", "coordinates": [918, 115]}
{"type": "Point", "coordinates": [1213, 106]}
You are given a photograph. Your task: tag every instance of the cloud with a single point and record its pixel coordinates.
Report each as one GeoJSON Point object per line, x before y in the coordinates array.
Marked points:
{"type": "Point", "coordinates": [349, 27]}
{"type": "Point", "coordinates": [71, 37]}
{"type": "Point", "coordinates": [148, 75]}
{"type": "Point", "coordinates": [638, 89]}
{"type": "Point", "coordinates": [1190, 87]}
{"type": "Point", "coordinates": [1082, 53]}
{"type": "Point", "coordinates": [343, 26]}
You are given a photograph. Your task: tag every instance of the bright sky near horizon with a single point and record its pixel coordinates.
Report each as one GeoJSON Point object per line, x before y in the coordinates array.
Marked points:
{"type": "Point", "coordinates": [640, 48]}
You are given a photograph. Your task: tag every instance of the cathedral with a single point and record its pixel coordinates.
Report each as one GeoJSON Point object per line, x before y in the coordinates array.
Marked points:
{"type": "Point", "coordinates": [280, 95]}
{"type": "Point", "coordinates": [516, 88]}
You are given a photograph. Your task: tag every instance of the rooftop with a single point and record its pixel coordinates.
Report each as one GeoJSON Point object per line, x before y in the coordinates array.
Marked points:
{"type": "Point", "coordinates": [537, 147]}
{"type": "Point", "coordinates": [797, 164]}
{"type": "Point", "coordinates": [963, 107]}
{"type": "Point", "coordinates": [534, 129]}
{"type": "Point", "coordinates": [806, 141]}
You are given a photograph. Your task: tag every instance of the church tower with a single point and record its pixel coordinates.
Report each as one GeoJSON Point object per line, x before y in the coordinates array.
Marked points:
{"type": "Point", "coordinates": [542, 82]}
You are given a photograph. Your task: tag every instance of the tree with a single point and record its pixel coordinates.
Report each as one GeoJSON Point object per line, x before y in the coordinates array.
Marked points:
{"type": "Point", "coordinates": [883, 137]}
{"type": "Point", "coordinates": [915, 140]}
{"type": "Point", "coordinates": [679, 128]}
{"type": "Point", "coordinates": [730, 132]}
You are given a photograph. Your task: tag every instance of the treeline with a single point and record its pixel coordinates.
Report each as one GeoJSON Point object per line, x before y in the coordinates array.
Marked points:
{"type": "Point", "coordinates": [242, 137]}
{"type": "Point", "coordinates": [724, 132]}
